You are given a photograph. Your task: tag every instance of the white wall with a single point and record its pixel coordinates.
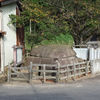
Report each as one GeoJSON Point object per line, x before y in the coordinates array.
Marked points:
{"type": "Point", "coordinates": [0, 20]}
{"type": "Point", "coordinates": [95, 66]}
{"type": "Point", "coordinates": [94, 53]}
{"type": "Point", "coordinates": [10, 37]}
{"type": "Point", "coordinates": [81, 53]}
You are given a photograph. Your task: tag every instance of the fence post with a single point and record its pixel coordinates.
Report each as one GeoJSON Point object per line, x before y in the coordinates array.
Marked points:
{"type": "Point", "coordinates": [30, 72]}
{"type": "Point", "coordinates": [57, 76]}
{"type": "Point", "coordinates": [79, 70]}
{"type": "Point", "coordinates": [87, 64]}
{"type": "Point", "coordinates": [67, 74]}
{"type": "Point", "coordinates": [44, 73]}
{"type": "Point", "coordinates": [74, 70]}
{"type": "Point", "coordinates": [91, 67]}
{"type": "Point", "coordinates": [27, 53]}
{"type": "Point", "coordinates": [9, 73]}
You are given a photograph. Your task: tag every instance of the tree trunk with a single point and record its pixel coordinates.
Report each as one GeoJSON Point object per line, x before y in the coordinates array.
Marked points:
{"type": "Point", "coordinates": [77, 40]}
{"type": "Point", "coordinates": [30, 26]}
{"type": "Point", "coordinates": [34, 26]}
{"type": "Point", "coordinates": [81, 40]}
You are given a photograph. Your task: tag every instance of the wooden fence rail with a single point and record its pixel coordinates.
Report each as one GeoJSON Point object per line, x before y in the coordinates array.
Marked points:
{"type": "Point", "coordinates": [44, 71]}
{"type": "Point", "coordinates": [86, 67]}
{"type": "Point", "coordinates": [83, 69]}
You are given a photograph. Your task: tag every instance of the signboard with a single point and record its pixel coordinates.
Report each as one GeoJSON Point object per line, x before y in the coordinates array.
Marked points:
{"type": "Point", "coordinates": [18, 54]}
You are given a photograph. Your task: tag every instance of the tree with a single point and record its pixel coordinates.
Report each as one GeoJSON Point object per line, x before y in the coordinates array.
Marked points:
{"type": "Point", "coordinates": [31, 11]}
{"type": "Point", "coordinates": [82, 17]}
{"type": "Point", "coordinates": [55, 17]}
{"type": "Point", "coordinates": [42, 15]}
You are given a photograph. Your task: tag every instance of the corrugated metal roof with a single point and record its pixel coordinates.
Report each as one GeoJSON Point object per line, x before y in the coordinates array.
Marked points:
{"type": "Point", "coordinates": [6, 2]}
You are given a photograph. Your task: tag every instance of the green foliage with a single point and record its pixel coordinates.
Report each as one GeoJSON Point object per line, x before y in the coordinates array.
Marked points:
{"type": "Point", "coordinates": [62, 39]}
{"type": "Point", "coordinates": [15, 19]}
{"type": "Point", "coordinates": [33, 40]}
{"type": "Point", "coordinates": [53, 19]}
{"type": "Point", "coordinates": [82, 16]}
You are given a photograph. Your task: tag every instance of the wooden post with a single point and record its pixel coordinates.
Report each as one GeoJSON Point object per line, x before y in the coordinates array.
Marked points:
{"type": "Point", "coordinates": [44, 73]}
{"type": "Point", "coordinates": [30, 72]}
{"type": "Point", "coordinates": [9, 73]}
{"type": "Point", "coordinates": [87, 64]}
{"type": "Point", "coordinates": [74, 70]}
{"type": "Point", "coordinates": [67, 74]}
{"type": "Point", "coordinates": [57, 79]}
{"type": "Point", "coordinates": [27, 53]}
{"type": "Point", "coordinates": [79, 70]}
{"type": "Point", "coordinates": [91, 66]}
{"type": "Point", "coordinates": [57, 76]}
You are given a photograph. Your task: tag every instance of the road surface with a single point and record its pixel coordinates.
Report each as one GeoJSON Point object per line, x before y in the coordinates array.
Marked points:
{"type": "Point", "coordinates": [88, 89]}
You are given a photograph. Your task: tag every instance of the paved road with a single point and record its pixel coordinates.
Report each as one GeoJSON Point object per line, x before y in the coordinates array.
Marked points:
{"type": "Point", "coordinates": [82, 90]}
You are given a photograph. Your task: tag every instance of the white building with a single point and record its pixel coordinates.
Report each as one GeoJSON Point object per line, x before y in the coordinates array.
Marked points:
{"type": "Point", "coordinates": [9, 34]}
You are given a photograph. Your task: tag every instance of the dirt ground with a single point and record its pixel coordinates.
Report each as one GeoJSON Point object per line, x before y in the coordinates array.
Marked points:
{"type": "Point", "coordinates": [3, 78]}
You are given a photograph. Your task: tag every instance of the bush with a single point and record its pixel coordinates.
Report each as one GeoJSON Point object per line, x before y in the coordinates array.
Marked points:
{"type": "Point", "coordinates": [62, 39]}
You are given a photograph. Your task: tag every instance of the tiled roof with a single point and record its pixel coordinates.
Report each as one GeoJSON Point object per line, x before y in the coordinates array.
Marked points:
{"type": "Point", "coordinates": [6, 2]}
{"type": "Point", "coordinates": [2, 0]}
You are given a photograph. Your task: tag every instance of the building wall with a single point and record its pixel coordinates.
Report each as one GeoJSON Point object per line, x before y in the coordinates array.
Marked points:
{"type": "Point", "coordinates": [0, 20]}
{"type": "Point", "coordinates": [10, 37]}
